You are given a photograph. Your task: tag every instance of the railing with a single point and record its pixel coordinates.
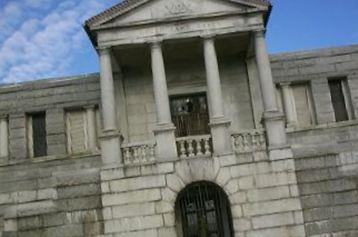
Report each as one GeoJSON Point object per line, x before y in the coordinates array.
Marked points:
{"type": "Point", "coordinates": [138, 153]}
{"type": "Point", "coordinates": [249, 141]}
{"type": "Point", "coordinates": [194, 146]}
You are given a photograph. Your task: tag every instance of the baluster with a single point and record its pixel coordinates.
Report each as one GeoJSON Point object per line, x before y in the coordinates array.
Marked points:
{"type": "Point", "coordinates": [233, 141]}
{"type": "Point", "coordinates": [262, 141]}
{"type": "Point", "coordinates": [152, 153]}
{"type": "Point", "coordinates": [198, 147]}
{"type": "Point", "coordinates": [255, 144]}
{"type": "Point", "coordinates": [190, 148]}
{"type": "Point", "coordinates": [236, 142]}
{"type": "Point", "coordinates": [144, 149]}
{"type": "Point", "coordinates": [246, 142]}
{"type": "Point", "coordinates": [182, 149]}
{"type": "Point", "coordinates": [207, 147]}
{"type": "Point", "coordinates": [135, 155]}
{"type": "Point", "coordinates": [127, 156]}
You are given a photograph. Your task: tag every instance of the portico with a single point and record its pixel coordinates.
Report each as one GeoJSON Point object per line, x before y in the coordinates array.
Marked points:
{"type": "Point", "coordinates": [186, 22]}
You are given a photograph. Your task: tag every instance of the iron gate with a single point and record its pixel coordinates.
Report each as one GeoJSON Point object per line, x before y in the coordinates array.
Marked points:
{"type": "Point", "coordinates": [204, 211]}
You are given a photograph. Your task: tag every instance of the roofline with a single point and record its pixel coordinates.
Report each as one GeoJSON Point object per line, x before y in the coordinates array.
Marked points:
{"type": "Point", "coordinates": [48, 82]}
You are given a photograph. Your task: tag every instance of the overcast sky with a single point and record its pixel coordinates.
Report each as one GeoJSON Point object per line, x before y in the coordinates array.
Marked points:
{"type": "Point", "coordinates": [44, 38]}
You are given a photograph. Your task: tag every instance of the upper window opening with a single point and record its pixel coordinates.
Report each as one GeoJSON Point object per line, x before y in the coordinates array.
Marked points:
{"type": "Point", "coordinates": [340, 99]}
{"type": "Point", "coordinates": [37, 135]}
{"type": "Point", "coordinates": [190, 114]}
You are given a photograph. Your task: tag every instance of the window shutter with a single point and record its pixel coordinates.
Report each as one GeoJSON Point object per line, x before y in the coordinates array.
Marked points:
{"type": "Point", "coordinates": [302, 102]}
{"type": "Point", "coordinates": [76, 131]}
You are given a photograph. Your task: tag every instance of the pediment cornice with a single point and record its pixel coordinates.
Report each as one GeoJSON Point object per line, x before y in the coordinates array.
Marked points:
{"type": "Point", "coordinates": [129, 5]}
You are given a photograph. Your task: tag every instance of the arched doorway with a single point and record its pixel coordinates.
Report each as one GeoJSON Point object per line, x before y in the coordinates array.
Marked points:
{"type": "Point", "coordinates": [203, 210]}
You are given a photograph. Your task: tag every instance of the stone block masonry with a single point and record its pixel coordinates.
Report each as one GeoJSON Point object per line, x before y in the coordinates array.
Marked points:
{"type": "Point", "coordinates": [141, 200]}
{"type": "Point", "coordinates": [329, 197]}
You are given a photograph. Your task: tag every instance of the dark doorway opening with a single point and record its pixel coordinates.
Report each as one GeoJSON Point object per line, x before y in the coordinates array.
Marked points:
{"type": "Point", "coordinates": [203, 210]}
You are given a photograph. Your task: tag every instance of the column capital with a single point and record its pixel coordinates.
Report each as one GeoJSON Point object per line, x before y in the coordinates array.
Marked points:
{"type": "Point", "coordinates": [4, 116]}
{"type": "Point", "coordinates": [104, 50]}
{"type": "Point", "coordinates": [285, 84]}
{"type": "Point", "coordinates": [93, 106]}
{"type": "Point", "coordinates": [156, 43]}
{"type": "Point", "coordinates": [259, 33]}
{"type": "Point", "coordinates": [208, 36]}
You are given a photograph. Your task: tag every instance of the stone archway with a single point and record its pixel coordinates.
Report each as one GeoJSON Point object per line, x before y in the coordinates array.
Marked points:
{"type": "Point", "coordinates": [203, 210]}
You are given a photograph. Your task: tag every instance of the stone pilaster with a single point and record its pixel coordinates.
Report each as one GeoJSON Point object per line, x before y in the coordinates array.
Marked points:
{"type": "Point", "coordinates": [110, 139]}
{"type": "Point", "coordinates": [289, 105]}
{"type": "Point", "coordinates": [91, 128]}
{"type": "Point", "coordinates": [218, 122]}
{"type": "Point", "coordinates": [164, 131]}
{"type": "Point", "coordinates": [273, 119]}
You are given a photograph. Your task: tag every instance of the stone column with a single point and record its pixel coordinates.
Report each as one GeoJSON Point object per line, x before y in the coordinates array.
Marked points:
{"type": "Point", "coordinates": [273, 119]}
{"type": "Point", "coordinates": [4, 136]}
{"type": "Point", "coordinates": [110, 139]}
{"type": "Point", "coordinates": [91, 128]}
{"type": "Point", "coordinates": [289, 105]}
{"type": "Point", "coordinates": [218, 123]}
{"type": "Point", "coordinates": [164, 131]}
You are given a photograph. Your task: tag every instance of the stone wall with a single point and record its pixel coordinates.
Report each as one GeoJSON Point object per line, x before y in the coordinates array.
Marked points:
{"type": "Point", "coordinates": [52, 96]}
{"type": "Point", "coordinates": [316, 67]}
{"type": "Point", "coordinates": [329, 195]}
{"type": "Point", "coordinates": [55, 198]}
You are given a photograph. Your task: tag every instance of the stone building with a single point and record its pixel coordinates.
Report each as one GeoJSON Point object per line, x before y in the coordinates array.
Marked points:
{"type": "Point", "coordinates": [190, 129]}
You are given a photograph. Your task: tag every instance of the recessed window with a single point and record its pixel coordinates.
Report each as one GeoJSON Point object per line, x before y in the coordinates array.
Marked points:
{"type": "Point", "coordinates": [36, 134]}
{"type": "Point", "coordinates": [303, 104]}
{"type": "Point", "coordinates": [82, 130]}
{"type": "Point", "coordinates": [190, 114]}
{"type": "Point", "coordinates": [4, 136]}
{"type": "Point", "coordinates": [340, 99]}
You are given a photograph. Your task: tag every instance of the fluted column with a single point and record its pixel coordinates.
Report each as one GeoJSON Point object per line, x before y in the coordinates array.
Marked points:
{"type": "Point", "coordinates": [273, 119]}
{"type": "Point", "coordinates": [91, 128]}
{"type": "Point", "coordinates": [164, 131]}
{"type": "Point", "coordinates": [289, 105]}
{"type": "Point", "coordinates": [218, 123]}
{"type": "Point", "coordinates": [110, 139]}
{"type": "Point", "coordinates": [4, 136]}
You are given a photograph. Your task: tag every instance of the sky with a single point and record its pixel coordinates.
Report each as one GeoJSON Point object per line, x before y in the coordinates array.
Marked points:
{"type": "Point", "coordinates": [45, 39]}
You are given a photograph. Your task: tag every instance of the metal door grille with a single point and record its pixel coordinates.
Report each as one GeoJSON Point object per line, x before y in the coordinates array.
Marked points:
{"type": "Point", "coordinates": [205, 211]}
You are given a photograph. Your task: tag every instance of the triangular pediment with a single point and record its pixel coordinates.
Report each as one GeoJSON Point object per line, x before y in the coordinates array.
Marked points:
{"type": "Point", "coordinates": [144, 11]}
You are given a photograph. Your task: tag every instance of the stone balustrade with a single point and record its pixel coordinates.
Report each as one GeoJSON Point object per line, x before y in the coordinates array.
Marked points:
{"type": "Point", "coordinates": [194, 146]}
{"type": "Point", "coordinates": [249, 141]}
{"type": "Point", "coordinates": [138, 153]}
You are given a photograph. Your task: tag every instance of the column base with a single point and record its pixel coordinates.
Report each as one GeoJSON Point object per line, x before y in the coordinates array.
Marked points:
{"type": "Point", "coordinates": [275, 128]}
{"type": "Point", "coordinates": [280, 152]}
{"type": "Point", "coordinates": [111, 147]}
{"type": "Point", "coordinates": [166, 148]}
{"type": "Point", "coordinates": [221, 136]}
{"type": "Point", "coordinates": [278, 148]}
